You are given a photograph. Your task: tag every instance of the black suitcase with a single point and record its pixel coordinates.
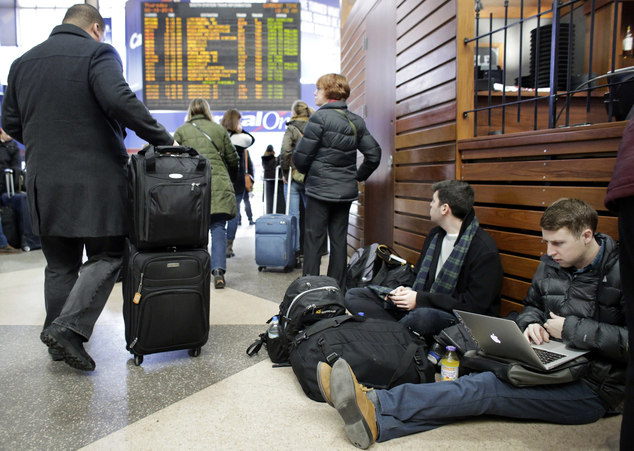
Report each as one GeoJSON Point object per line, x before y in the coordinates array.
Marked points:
{"type": "Point", "coordinates": [19, 203]}
{"type": "Point", "coordinates": [170, 197]}
{"type": "Point", "coordinates": [10, 225]}
{"type": "Point", "coordinates": [165, 300]}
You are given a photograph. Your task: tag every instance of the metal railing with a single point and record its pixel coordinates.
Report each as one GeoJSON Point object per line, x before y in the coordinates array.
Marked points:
{"type": "Point", "coordinates": [558, 100]}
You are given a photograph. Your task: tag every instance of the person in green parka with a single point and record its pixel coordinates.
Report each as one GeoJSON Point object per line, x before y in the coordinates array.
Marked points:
{"type": "Point", "coordinates": [211, 140]}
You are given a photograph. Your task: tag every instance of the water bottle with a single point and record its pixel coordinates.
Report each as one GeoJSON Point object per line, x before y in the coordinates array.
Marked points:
{"type": "Point", "coordinates": [274, 328]}
{"type": "Point", "coordinates": [436, 353]}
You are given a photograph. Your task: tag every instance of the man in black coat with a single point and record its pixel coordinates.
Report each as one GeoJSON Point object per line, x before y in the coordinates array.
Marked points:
{"type": "Point", "coordinates": [475, 283]}
{"type": "Point", "coordinates": [68, 103]}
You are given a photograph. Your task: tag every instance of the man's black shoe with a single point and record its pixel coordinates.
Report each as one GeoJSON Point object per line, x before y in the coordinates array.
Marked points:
{"type": "Point", "coordinates": [55, 355]}
{"type": "Point", "coordinates": [70, 345]}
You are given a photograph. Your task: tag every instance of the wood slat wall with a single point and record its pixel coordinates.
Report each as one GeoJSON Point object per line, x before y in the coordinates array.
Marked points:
{"type": "Point", "coordinates": [515, 177]}
{"type": "Point", "coordinates": [353, 65]}
{"type": "Point", "coordinates": [425, 145]}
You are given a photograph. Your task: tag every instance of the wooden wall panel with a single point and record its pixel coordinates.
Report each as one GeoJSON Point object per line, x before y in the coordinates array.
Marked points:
{"type": "Point", "coordinates": [422, 83]}
{"type": "Point", "coordinates": [427, 118]}
{"type": "Point", "coordinates": [368, 60]}
{"type": "Point", "coordinates": [425, 115]}
{"type": "Point", "coordinates": [426, 18]}
{"type": "Point", "coordinates": [442, 35]}
{"type": "Point", "coordinates": [516, 177]}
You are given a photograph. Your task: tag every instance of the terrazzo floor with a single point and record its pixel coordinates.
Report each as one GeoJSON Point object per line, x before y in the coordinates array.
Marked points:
{"type": "Point", "coordinates": [221, 400]}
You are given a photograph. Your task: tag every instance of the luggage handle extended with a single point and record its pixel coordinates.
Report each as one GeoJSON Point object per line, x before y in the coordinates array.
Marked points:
{"type": "Point", "coordinates": [288, 191]}
{"type": "Point", "coordinates": [8, 177]}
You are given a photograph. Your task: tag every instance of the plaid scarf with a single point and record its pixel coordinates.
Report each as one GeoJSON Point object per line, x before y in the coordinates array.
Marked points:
{"type": "Point", "coordinates": [447, 278]}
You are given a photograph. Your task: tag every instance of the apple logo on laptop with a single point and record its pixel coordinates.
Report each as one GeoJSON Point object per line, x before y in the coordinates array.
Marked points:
{"type": "Point", "coordinates": [495, 339]}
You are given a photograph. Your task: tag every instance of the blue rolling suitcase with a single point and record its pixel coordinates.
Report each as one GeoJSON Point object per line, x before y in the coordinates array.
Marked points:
{"type": "Point", "coordinates": [275, 237]}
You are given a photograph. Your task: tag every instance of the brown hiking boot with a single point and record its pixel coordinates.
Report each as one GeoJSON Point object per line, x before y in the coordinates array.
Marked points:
{"type": "Point", "coordinates": [353, 405]}
{"type": "Point", "coordinates": [323, 379]}
{"type": "Point", "coordinates": [219, 278]}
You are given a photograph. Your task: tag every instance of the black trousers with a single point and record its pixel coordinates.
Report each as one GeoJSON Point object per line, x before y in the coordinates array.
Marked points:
{"type": "Point", "coordinates": [626, 262]}
{"type": "Point", "coordinates": [322, 217]}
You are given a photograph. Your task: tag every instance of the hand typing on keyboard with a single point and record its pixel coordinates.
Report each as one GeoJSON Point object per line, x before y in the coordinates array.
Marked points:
{"type": "Point", "coordinates": [555, 325]}
{"type": "Point", "coordinates": [536, 333]}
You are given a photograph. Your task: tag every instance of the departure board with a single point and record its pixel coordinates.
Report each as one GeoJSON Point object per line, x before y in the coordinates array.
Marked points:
{"type": "Point", "coordinates": [234, 55]}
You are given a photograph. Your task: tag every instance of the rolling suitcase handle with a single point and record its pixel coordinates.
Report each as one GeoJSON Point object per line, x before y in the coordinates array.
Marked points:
{"type": "Point", "coordinates": [277, 177]}
{"type": "Point", "coordinates": [8, 178]}
{"type": "Point", "coordinates": [288, 191]}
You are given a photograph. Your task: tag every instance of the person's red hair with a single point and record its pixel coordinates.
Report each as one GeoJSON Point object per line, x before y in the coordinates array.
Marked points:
{"type": "Point", "coordinates": [335, 86]}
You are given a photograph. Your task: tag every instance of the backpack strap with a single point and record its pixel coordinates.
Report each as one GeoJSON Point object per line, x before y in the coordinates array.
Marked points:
{"type": "Point", "coordinates": [323, 325]}
{"type": "Point", "coordinates": [212, 143]}
{"type": "Point", "coordinates": [411, 353]}
{"type": "Point", "coordinates": [256, 346]}
{"type": "Point", "coordinates": [354, 129]}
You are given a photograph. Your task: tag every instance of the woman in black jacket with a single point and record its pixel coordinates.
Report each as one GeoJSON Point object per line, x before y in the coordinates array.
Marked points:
{"type": "Point", "coordinates": [241, 140]}
{"type": "Point", "coordinates": [327, 154]}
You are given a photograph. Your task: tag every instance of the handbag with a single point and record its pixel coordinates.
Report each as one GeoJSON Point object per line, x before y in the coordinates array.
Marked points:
{"type": "Point", "coordinates": [248, 179]}
{"type": "Point", "coordinates": [395, 271]}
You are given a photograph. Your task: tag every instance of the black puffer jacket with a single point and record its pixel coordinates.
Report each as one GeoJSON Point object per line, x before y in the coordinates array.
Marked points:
{"type": "Point", "coordinates": [327, 154]}
{"type": "Point", "coordinates": [602, 331]}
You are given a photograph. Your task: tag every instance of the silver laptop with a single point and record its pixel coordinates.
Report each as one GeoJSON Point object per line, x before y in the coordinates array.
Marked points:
{"type": "Point", "coordinates": [501, 337]}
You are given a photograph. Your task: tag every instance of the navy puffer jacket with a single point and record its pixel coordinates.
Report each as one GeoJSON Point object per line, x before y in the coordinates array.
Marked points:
{"type": "Point", "coordinates": [327, 154]}
{"type": "Point", "coordinates": [593, 305]}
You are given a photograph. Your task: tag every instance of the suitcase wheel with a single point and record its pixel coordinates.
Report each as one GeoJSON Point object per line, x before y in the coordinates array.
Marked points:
{"type": "Point", "coordinates": [288, 268]}
{"type": "Point", "coordinates": [194, 352]}
{"type": "Point", "coordinates": [261, 268]}
{"type": "Point", "coordinates": [138, 359]}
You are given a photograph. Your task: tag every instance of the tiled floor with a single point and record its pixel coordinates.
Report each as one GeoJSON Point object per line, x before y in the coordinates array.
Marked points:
{"type": "Point", "coordinates": [222, 400]}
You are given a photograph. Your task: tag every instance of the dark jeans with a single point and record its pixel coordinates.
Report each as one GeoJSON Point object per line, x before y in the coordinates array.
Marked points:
{"type": "Point", "coordinates": [75, 293]}
{"type": "Point", "coordinates": [424, 320]}
{"type": "Point", "coordinates": [410, 408]}
{"type": "Point", "coordinates": [322, 216]}
{"type": "Point", "coordinates": [626, 262]}
{"type": "Point", "coordinates": [232, 224]}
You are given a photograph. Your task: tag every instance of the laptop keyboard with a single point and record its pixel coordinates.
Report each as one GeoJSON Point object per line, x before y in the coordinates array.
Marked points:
{"type": "Point", "coordinates": [547, 357]}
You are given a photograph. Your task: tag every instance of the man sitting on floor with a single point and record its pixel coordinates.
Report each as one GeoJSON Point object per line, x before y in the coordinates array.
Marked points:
{"type": "Point", "coordinates": [575, 296]}
{"type": "Point", "coordinates": [459, 268]}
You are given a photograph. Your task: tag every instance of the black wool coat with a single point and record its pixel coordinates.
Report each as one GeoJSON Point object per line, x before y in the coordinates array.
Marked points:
{"type": "Point", "coordinates": [480, 280]}
{"type": "Point", "coordinates": [68, 103]}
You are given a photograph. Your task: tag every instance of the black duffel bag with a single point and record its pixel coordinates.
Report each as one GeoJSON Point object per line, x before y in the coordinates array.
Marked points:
{"type": "Point", "coordinates": [382, 354]}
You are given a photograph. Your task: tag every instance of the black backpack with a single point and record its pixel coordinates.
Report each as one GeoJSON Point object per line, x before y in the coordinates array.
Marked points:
{"type": "Point", "coordinates": [308, 299]}
{"type": "Point", "coordinates": [362, 267]}
{"type": "Point", "coordinates": [382, 354]}
{"type": "Point", "coordinates": [378, 264]}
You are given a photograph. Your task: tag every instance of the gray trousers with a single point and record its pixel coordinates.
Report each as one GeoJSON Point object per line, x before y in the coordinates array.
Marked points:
{"type": "Point", "coordinates": [75, 293]}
